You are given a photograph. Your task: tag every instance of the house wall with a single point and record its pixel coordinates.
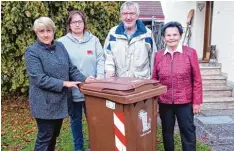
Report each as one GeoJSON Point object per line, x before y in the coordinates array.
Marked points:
{"type": "Point", "coordinates": [178, 11]}
{"type": "Point", "coordinates": [223, 36]}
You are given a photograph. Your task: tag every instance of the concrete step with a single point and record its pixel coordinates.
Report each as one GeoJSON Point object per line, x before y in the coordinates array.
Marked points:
{"type": "Point", "coordinates": [210, 71]}
{"type": "Point", "coordinates": [217, 91]}
{"type": "Point", "coordinates": [221, 112]}
{"type": "Point", "coordinates": [213, 80]}
{"type": "Point", "coordinates": [216, 88]}
{"type": "Point", "coordinates": [217, 103]}
{"type": "Point", "coordinates": [208, 65]}
{"type": "Point", "coordinates": [214, 77]}
{"type": "Point", "coordinates": [214, 83]}
{"type": "Point", "coordinates": [207, 69]}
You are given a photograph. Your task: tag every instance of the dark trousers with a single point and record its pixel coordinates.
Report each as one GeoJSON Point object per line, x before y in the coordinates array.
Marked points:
{"type": "Point", "coordinates": [48, 131]}
{"type": "Point", "coordinates": [184, 115]}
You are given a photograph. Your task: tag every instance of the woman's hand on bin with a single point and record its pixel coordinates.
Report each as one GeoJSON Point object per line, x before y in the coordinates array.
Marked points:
{"type": "Point", "coordinates": [71, 84]}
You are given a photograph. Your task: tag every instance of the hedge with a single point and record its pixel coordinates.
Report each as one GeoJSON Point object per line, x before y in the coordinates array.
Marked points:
{"type": "Point", "coordinates": [16, 32]}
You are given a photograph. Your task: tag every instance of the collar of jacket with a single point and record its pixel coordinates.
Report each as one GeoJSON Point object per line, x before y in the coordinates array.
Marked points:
{"type": "Point", "coordinates": [178, 49]}
{"type": "Point", "coordinates": [140, 29]}
{"type": "Point", "coordinates": [45, 46]}
{"type": "Point", "coordinates": [87, 36]}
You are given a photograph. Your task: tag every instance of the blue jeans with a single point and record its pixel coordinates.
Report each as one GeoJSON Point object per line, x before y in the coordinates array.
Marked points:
{"type": "Point", "coordinates": [184, 115]}
{"type": "Point", "coordinates": [76, 124]}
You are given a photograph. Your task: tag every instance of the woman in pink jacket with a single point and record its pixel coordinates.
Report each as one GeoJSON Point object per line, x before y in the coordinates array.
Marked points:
{"type": "Point", "coordinates": [177, 67]}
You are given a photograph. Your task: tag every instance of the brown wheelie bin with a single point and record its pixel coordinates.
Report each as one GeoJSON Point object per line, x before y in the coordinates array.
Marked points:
{"type": "Point", "coordinates": [122, 113]}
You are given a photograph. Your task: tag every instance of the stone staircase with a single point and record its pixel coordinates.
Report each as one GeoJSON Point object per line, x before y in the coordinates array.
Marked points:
{"type": "Point", "coordinates": [216, 94]}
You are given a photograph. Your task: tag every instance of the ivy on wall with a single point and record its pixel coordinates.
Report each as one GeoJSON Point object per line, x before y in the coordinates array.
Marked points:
{"type": "Point", "coordinates": [16, 32]}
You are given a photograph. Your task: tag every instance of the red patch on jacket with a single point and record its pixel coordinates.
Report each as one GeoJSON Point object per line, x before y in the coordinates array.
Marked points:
{"type": "Point", "coordinates": [89, 52]}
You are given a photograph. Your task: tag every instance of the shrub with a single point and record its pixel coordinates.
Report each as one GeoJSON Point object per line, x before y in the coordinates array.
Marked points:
{"type": "Point", "coordinates": [17, 21]}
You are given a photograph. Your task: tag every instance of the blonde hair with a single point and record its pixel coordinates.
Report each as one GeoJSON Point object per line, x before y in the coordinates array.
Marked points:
{"type": "Point", "coordinates": [43, 22]}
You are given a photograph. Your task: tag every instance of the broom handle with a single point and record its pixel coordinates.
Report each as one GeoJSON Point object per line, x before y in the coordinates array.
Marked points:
{"type": "Point", "coordinates": [190, 17]}
{"type": "Point", "coordinates": [188, 22]}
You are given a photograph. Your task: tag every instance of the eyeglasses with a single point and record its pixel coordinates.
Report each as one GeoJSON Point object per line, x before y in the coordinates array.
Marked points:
{"type": "Point", "coordinates": [130, 14]}
{"type": "Point", "coordinates": [77, 22]}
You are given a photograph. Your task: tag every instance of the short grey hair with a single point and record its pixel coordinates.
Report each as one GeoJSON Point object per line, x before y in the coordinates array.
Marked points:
{"type": "Point", "coordinates": [128, 4]}
{"type": "Point", "coordinates": [43, 22]}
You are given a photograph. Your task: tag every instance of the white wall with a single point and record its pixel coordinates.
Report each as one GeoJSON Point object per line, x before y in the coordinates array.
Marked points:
{"type": "Point", "coordinates": [222, 29]}
{"type": "Point", "coordinates": [223, 36]}
{"type": "Point", "coordinates": [178, 11]}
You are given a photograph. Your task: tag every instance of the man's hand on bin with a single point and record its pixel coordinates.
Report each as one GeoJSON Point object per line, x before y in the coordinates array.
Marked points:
{"type": "Point", "coordinates": [100, 77]}
{"type": "Point", "coordinates": [90, 79]}
{"type": "Point", "coordinates": [110, 74]}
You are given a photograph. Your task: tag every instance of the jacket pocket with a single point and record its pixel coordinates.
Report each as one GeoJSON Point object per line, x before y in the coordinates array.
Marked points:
{"type": "Point", "coordinates": [54, 97]}
{"type": "Point", "coordinates": [140, 58]}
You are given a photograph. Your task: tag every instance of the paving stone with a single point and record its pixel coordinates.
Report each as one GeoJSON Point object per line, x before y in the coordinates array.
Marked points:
{"type": "Point", "coordinates": [216, 120]}
{"type": "Point", "coordinates": [223, 148]}
{"type": "Point", "coordinates": [215, 130]}
{"type": "Point", "coordinates": [229, 128]}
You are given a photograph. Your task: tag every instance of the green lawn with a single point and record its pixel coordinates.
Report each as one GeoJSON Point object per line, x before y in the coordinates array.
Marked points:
{"type": "Point", "coordinates": [65, 139]}
{"type": "Point", "coordinates": [19, 130]}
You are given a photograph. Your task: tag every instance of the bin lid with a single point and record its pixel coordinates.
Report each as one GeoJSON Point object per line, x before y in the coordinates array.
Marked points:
{"type": "Point", "coordinates": [120, 85]}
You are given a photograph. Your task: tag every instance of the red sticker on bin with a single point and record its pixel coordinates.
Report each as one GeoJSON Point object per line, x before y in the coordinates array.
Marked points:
{"type": "Point", "coordinates": [89, 52]}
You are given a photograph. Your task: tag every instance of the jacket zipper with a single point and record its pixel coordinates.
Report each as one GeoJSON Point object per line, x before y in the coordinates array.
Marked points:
{"type": "Point", "coordinates": [172, 82]}
{"type": "Point", "coordinates": [129, 59]}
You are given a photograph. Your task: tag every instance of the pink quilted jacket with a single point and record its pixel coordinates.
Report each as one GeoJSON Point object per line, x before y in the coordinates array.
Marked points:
{"type": "Point", "coordinates": [181, 75]}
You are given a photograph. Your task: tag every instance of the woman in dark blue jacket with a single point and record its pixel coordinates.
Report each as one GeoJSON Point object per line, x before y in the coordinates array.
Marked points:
{"type": "Point", "coordinates": [51, 73]}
